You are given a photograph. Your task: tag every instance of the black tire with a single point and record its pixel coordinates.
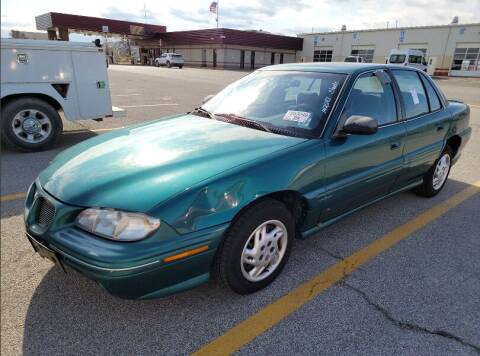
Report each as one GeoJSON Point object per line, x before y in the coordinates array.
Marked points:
{"type": "Point", "coordinates": [427, 189]}
{"type": "Point", "coordinates": [169, 65]}
{"type": "Point", "coordinates": [180, 67]}
{"type": "Point", "coordinates": [12, 108]}
{"type": "Point", "coordinates": [228, 268]}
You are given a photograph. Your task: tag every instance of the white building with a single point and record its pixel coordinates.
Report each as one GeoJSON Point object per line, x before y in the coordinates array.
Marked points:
{"type": "Point", "coordinates": [451, 49]}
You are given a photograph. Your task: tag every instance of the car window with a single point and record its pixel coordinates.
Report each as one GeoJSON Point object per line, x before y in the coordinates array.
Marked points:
{"type": "Point", "coordinates": [412, 92]}
{"type": "Point", "coordinates": [287, 102]}
{"type": "Point", "coordinates": [370, 98]}
{"type": "Point", "coordinates": [415, 59]}
{"type": "Point", "coordinates": [432, 95]}
{"type": "Point", "coordinates": [397, 58]}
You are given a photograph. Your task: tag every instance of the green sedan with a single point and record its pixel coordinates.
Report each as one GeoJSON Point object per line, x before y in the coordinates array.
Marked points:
{"type": "Point", "coordinates": [224, 190]}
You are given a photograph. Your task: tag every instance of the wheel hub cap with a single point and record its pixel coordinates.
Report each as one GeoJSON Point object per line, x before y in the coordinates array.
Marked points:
{"type": "Point", "coordinates": [264, 250]}
{"type": "Point", "coordinates": [31, 125]}
{"type": "Point", "coordinates": [441, 172]}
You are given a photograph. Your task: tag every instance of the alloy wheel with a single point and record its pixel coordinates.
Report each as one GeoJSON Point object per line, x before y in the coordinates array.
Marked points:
{"type": "Point", "coordinates": [264, 250]}
{"type": "Point", "coordinates": [441, 171]}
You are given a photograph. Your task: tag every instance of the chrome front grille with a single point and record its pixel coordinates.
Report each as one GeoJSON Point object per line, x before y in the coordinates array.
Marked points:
{"type": "Point", "coordinates": [45, 212]}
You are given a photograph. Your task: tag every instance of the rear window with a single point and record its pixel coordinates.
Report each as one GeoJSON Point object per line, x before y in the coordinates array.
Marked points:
{"type": "Point", "coordinates": [413, 94]}
{"type": "Point", "coordinates": [397, 58]}
{"type": "Point", "coordinates": [177, 56]}
{"type": "Point", "coordinates": [432, 95]}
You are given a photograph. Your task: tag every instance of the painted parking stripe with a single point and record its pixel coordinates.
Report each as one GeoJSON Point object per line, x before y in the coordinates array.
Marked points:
{"type": "Point", "coordinates": [94, 130]}
{"type": "Point", "coordinates": [272, 314]}
{"type": "Point", "coordinates": [131, 94]}
{"type": "Point", "coordinates": [145, 105]}
{"type": "Point", "coordinates": [14, 196]}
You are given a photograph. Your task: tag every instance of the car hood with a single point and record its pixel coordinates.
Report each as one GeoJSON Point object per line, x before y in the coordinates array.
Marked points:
{"type": "Point", "coordinates": [139, 167]}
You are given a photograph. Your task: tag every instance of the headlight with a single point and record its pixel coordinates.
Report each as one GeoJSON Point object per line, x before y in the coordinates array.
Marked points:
{"type": "Point", "coordinates": [117, 225]}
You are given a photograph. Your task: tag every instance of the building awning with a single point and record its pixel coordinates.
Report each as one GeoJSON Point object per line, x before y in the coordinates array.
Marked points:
{"type": "Point", "coordinates": [76, 23]}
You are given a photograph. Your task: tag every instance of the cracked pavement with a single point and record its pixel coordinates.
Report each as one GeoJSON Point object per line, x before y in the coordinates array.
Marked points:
{"type": "Point", "coordinates": [420, 297]}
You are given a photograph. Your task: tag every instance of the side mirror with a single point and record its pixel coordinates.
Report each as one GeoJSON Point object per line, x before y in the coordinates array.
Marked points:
{"type": "Point", "coordinates": [207, 98]}
{"type": "Point", "coordinates": [360, 125]}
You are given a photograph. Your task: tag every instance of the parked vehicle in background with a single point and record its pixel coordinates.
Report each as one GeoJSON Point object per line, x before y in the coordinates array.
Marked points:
{"type": "Point", "coordinates": [170, 60]}
{"type": "Point", "coordinates": [225, 189]}
{"type": "Point", "coordinates": [40, 79]}
{"type": "Point", "coordinates": [354, 59]}
{"type": "Point", "coordinates": [408, 57]}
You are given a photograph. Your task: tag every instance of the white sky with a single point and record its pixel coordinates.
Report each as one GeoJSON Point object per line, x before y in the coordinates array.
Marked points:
{"type": "Point", "coordinates": [279, 16]}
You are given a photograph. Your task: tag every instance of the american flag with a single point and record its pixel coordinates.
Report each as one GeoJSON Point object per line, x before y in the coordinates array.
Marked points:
{"type": "Point", "coordinates": [213, 7]}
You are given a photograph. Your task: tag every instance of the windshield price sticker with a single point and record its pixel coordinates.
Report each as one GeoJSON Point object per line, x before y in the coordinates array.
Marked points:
{"type": "Point", "coordinates": [415, 99]}
{"type": "Point", "coordinates": [303, 118]}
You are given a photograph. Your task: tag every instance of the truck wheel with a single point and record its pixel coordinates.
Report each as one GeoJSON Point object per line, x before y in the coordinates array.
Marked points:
{"type": "Point", "coordinates": [30, 124]}
{"type": "Point", "coordinates": [169, 65]}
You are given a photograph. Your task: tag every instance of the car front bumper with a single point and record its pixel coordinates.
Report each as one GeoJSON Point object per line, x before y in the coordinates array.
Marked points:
{"type": "Point", "coordinates": [130, 270]}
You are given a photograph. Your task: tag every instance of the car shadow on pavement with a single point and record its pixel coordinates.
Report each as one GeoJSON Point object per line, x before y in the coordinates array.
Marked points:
{"type": "Point", "coordinates": [70, 314]}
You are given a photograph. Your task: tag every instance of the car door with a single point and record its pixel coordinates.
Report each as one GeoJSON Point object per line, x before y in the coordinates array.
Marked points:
{"type": "Point", "coordinates": [362, 168]}
{"type": "Point", "coordinates": [427, 123]}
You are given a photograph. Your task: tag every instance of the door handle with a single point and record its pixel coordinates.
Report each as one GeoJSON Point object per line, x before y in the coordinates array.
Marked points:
{"type": "Point", "coordinates": [395, 146]}
{"type": "Point", "coordinates": [439, 128]}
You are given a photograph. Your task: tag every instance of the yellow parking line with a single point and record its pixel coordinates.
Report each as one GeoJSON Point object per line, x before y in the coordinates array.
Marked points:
{"type": "Point", "coordinates": [13, 196]}
{"type": "Point", "coordinates": [273, 313]}
{"type": "Point", "coordinates": [95, 130]}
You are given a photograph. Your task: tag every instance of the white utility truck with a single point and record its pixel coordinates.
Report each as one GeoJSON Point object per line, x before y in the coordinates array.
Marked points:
{"type": "Point", "coordinates": [40, 79]}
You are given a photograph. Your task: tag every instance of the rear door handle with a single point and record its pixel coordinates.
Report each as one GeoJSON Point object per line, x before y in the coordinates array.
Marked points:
{"type": "Point", "coordinates": [395, 145]}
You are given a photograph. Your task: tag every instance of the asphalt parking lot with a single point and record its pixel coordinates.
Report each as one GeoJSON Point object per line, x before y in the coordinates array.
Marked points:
{"type": "Point", "coordinates": [410, 286]}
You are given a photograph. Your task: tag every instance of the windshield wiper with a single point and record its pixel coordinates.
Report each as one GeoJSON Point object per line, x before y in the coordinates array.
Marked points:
{"type": "Point", "coordinates": [206, 113]}
{"type": "Point", "coordinates": [256, 124]}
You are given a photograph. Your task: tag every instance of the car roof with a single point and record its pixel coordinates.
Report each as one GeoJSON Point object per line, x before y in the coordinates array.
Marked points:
{"type": "Point", "coordinates": [332, 67]}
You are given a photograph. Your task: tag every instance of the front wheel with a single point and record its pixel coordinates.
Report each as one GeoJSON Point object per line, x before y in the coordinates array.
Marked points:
{"type": "Point", "coordinates": [256, 247]}
{"type": "Point", "coordinates": [434, 180]}
{"type": "Point", "coordinates": [30, 124]}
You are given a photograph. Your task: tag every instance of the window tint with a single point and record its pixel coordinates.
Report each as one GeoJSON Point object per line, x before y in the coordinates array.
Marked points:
{"type": "Point", "coordinates": [412, 92]}
{"type": "Point", "coordinates": [432, 95]}
{"type": "Point", "coordinates": [369, 98]}
{"type": "Point", "coordinates": [415, 59]}
{"type": "Point", "coordinates": [397, 58]}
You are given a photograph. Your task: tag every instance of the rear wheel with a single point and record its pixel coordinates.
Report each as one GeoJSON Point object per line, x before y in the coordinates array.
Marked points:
{"type": "Point", "coordinates": [256, 247]}
{"type": "Point", "coordinates": [30, 124]}
{"type": "Point", "coordinates": [434, 180]}
{"type": "Point", "coordinates": [169, 65]}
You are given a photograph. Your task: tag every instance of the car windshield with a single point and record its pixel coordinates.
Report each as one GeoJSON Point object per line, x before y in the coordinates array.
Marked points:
{"type": "Point", "coordinates": [284, 102]}
{"type": "Point", "coordinates": [351, 59]}
{"type": "Point", "coordinates": [397, 58]}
